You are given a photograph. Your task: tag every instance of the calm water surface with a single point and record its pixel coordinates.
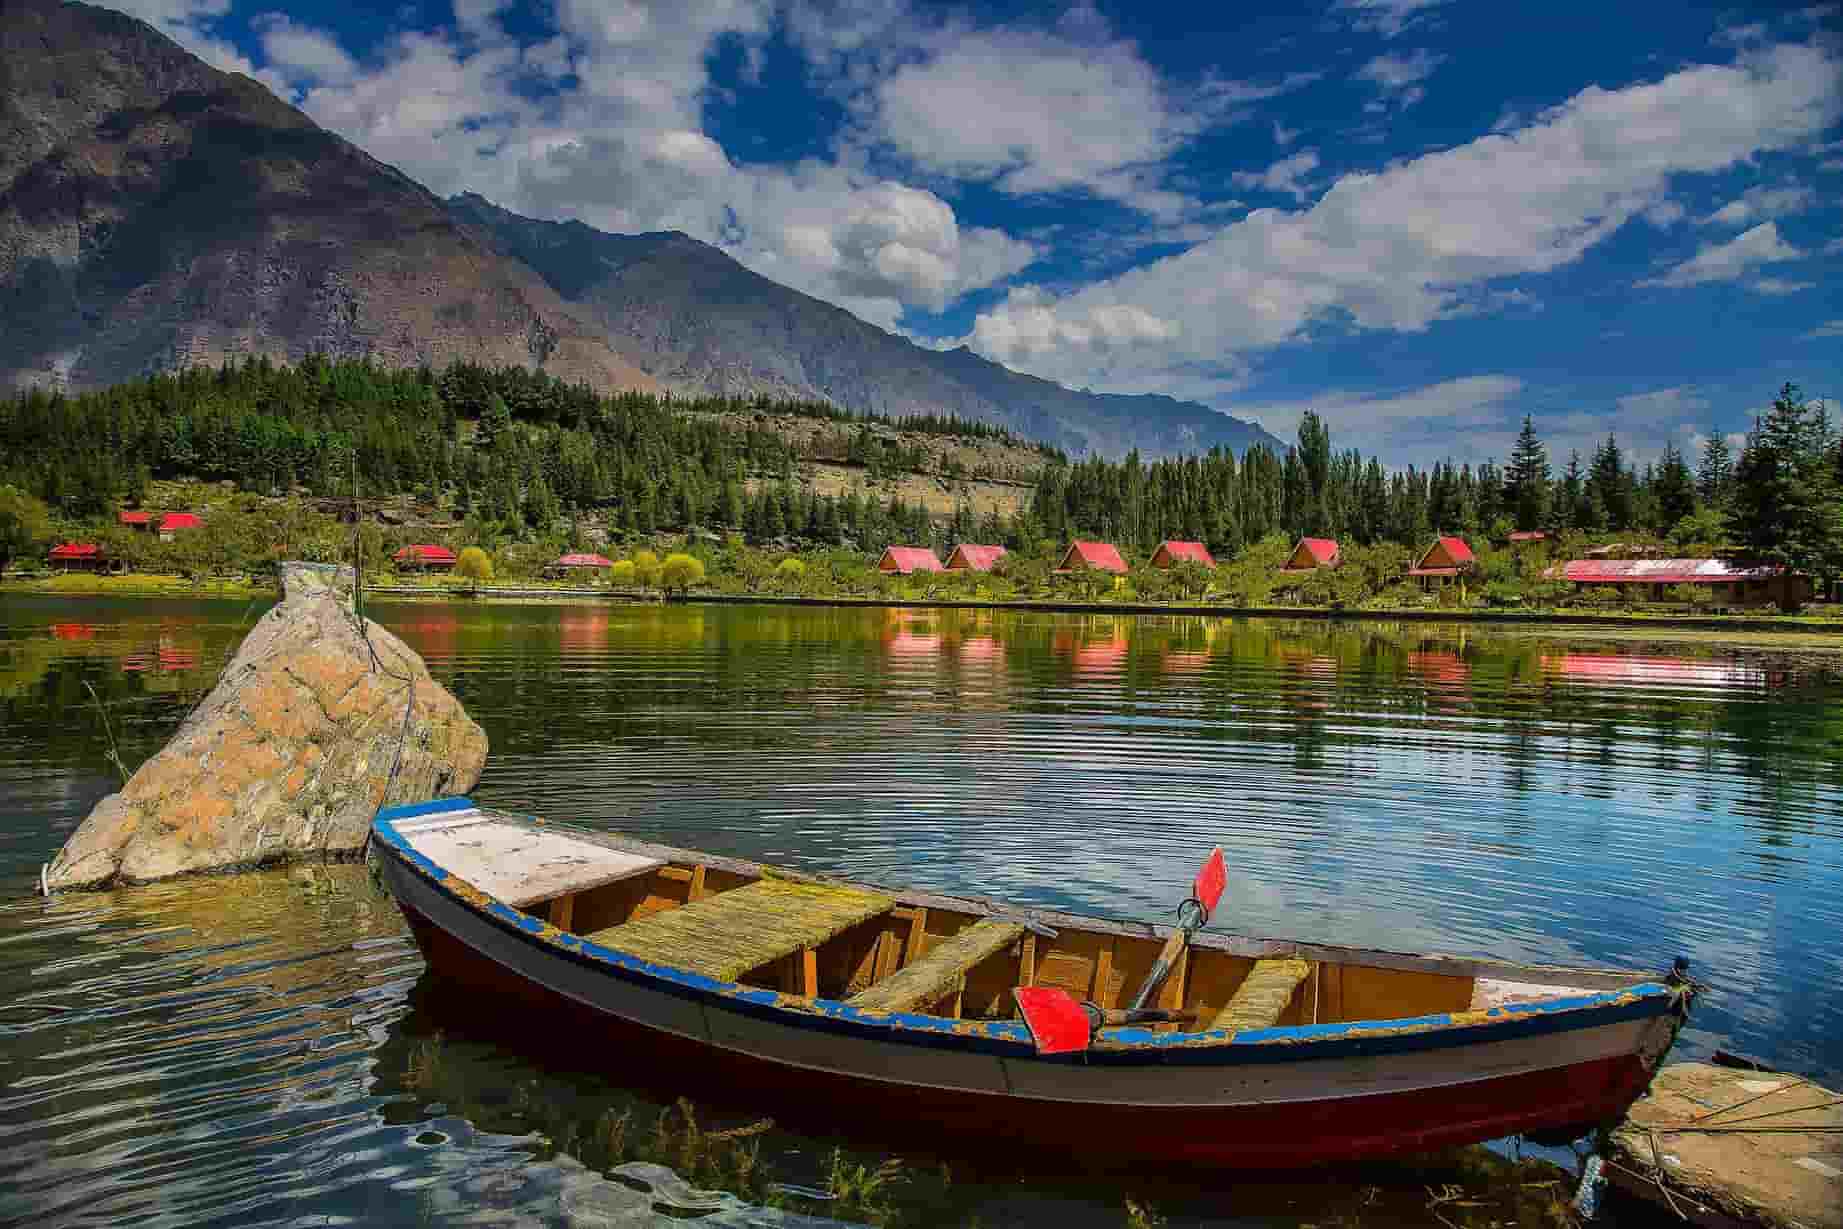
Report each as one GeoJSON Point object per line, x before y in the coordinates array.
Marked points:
{"type": "Point", "coordinates": [264, 1049]}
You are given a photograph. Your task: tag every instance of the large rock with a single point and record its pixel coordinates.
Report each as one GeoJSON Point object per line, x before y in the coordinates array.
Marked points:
{"type": "Point", "coordinates": [289, 756]}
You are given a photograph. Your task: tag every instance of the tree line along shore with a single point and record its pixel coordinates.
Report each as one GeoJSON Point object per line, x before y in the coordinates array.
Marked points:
{"type": "Point", "coordinates": [524, 469]}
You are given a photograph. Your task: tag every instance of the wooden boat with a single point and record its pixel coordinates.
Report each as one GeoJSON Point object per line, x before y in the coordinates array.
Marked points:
{"type": "Point", "coordinates": [894, 1006]}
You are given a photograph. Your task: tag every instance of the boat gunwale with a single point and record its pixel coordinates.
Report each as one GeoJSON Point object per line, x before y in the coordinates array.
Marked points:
{"type": "Point", "coordinates": [1635, 997]}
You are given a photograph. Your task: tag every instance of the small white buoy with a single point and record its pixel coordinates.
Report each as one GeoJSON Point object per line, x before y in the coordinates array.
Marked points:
{"type": "Point", "coordinates": [44, 885]}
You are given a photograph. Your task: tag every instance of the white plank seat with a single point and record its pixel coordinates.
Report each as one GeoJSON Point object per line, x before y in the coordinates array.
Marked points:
{"type": "Point", "coordinates": [942, 971]}
{"type": "Point", "coordinates": [1262, 999]}
{"type": "Point", "coordinates": [516, 862]}
{"type": "Point", "coordinates": [734, 932]}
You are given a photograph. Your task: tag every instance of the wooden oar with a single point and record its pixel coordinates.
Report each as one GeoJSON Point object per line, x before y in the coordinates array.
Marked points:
{"type": "Point", "coordinates": [1192, 916]}
{"type": "Point", "coordinates": [1060, 1024]}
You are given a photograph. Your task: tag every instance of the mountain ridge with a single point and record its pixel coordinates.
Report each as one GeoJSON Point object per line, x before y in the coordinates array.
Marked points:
{"type": "Point", "coordinates": [677, 307]}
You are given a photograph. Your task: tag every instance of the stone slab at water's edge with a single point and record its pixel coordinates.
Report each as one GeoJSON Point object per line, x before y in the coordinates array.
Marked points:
{"type": "Point", "coordinates": [289, 756]}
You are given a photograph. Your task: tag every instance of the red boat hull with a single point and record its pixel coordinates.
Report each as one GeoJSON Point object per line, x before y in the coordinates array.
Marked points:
{"type": "Point", "coordinates": [1277, 1135]}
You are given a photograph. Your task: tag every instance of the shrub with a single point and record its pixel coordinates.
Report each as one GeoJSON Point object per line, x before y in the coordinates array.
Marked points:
{"type": "Point", "coordinates": [474, 564]}
{"type": "Point", "coordinates": [1697, 596]}
{"type": "Point", "coordinates": [680, 571]}
{"type": "Point", "coordinates": [621, 575]}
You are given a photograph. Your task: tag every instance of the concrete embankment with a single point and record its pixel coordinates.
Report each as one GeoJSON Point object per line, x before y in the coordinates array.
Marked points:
{"type": "Point", "coordinates": [318, 719]}
{"type": "Point", "coordinates": [1725, 1147]}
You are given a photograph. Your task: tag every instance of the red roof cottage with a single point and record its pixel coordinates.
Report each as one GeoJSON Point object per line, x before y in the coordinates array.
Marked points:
{"type": "Point", "coordinates": [967, 557]}
{"type": "Point", "coordinates": [1171, 553]}
{"type": "Point", "coordinates": [1312, 554]}
{"type": "Point", "coordinates": [580, 562]}
{"type": "Point", "coordinates": [173, 522]}
{"type": "Point", "coordinates": [424, 558]}
{"type": "Point", "coordinates": [77, 557]}
{"type": "Point", "coordinates": [1092, 556]}
{"type": "Point", "coordinates": [135, 520]}
{"type": "Point", "coordinates": [1447, 559]}
{"type": "Point", "coordinates": [907, 560]}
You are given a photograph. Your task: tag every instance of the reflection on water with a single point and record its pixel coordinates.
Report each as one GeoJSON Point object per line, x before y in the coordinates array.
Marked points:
{"type": "Point", "coordinates": [260, 1049]}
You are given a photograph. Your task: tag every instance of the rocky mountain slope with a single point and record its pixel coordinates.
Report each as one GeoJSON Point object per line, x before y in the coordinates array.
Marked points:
{"type": "Point", "coordinates": [155, 211]}
{"type": "Point", "coordinates": [696, 319]}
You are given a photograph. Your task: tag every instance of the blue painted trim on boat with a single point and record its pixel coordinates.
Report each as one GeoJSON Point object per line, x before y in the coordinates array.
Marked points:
{"type": "Point", "coordinates": [1010, 1039]}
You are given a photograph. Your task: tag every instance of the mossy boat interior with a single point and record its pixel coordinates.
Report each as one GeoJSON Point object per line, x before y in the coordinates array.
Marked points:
{"type": "Point", "coordinates": [871, 1003]}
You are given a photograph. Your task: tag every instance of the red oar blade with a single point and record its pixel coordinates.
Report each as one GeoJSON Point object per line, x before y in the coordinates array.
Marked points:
{"type": "Point", "coordinates": [1057, 1023]}
{"type": "Point", "coordinates": [1211, 880]}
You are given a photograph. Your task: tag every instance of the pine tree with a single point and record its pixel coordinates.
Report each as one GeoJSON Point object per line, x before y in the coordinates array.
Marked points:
{"type": "Point", "coordinates": [1673, 488]}
{"type": "Point", "coordinates": [1713, 475]}
{"type": "Point", "coordinates": [1526, 482]}
{"type": "Point", "coordinates": [1785, 505]}
{"type": "Point", "coordinates": [1611, 486]}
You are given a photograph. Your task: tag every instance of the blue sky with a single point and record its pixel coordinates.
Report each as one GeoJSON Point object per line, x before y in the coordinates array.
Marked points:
{"type": "Point", "coordinates": [1423, 218]}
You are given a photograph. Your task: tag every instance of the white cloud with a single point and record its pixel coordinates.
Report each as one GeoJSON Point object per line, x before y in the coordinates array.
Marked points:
{"type": "Point", "coordinates": [1283, 135]}
{"type": "Point", "coordinates": [1287, 175]}
{"type": "Point", "coordinates": [1399, 77]}
{"type": "Point", "coordinates": [299, 54]}
{"type": "Point", "coordinates": [1756, 204]}
{"type": "Point", "coordinates": [1403, 247]}
{"type": "Point", "coordinates": [1660, 407]}
{"type": "Point", "coordinates": [1830, 328]}
{"type": "Point", "coordinates": [1778, 286]}
{"type": "Point", "coordinates": [188, 23]}
{"type": "Point", "coordinates": [1386, 17]}
{"type": "Point", "coordinates": [622, 147]}
{"type": "Point", "coordinates": [1406, 420]}
{"type": "Point", "coordinates": [1727, 262]}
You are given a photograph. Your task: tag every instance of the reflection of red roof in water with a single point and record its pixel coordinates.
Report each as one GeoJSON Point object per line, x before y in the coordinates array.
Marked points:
{"type": "Point", "coordinates": [983, 649]}
{"type": "Point", "coordinates": [164, 657]}
{"type": "Point", "coordinates": [1447, 669]}
{"type": "Point", "coordinates": [73, 631]}
{"type": "Point", "coordinates": [1185, 663]}
{"type": "Point", "coordinates": [1101, 657]}
{"type": "Point", "coordinates": [582, 629]}
{"type": "Point", "coordinates": [906, 643]}
{"type": "Point", "coordinates": [1623, 668]}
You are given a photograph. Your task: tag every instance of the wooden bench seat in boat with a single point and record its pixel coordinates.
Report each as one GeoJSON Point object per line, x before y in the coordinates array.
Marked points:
{"type": "Point", "coordinates": [727, 935]}
{"type": "Point", "coordinates": [1260, 1000]}
{"type": "Point", "coordinates": [942, 971]}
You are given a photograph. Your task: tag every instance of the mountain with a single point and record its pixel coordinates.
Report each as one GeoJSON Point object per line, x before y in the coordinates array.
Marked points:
{"type": "Point", "coordinates": [156, 212]}
{"type": "Point", "coordinates": [696, 319]}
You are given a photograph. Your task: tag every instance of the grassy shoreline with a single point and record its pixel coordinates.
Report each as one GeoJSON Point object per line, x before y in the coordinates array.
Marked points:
{"type": "Point", "coordinates": [1777, 630]}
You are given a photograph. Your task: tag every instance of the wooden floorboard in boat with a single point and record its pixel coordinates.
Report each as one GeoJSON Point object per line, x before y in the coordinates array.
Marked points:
{"type": "Point", "coordinates": [727, 935]}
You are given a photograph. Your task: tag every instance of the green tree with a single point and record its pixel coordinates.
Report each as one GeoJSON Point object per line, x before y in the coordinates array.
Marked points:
{"type": "Point", "coordinates": [474, 564]}
{"type": "Point", "coordinates": [621, 575]}
{"type": "Point", "coordinates": [680, 571]}
{"type": "Point", "coordinates": [1785, 506]}
{"type": "Point", "coordinates": [25, 525]}
{"type": "Point", "coordinates": [1673, 488]}
{"type": "Point", "coordinates": [1715, 470]}
{"type": "Point", "coordinates": [1526, 481]}
{"type": "Point", "coordinates": [646, 569]}
{"type": "Point", "coordinates": [1611, 485]}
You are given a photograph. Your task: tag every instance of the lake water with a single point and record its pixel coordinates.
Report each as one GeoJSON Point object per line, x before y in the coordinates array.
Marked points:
{"type": "Point", "coordinates": [264, 1049]}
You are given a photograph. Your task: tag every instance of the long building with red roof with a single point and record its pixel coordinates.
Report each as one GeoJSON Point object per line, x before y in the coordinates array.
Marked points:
{"type": "Point", "coordinates": [424, 557]}
{"type": "Point", "coordinates": [1731, 584]}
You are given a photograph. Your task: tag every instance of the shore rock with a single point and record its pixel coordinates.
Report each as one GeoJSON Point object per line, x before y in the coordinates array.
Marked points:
{"type": "Point", "coordinates": [289, 756]}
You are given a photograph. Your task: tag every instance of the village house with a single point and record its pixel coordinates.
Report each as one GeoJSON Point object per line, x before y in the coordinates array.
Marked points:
{"type": "Point", "coordinates": [424, 558]}
{"type": "Point", "coordinates": [173, 522]}
{"type": "Point", "coordinates": [578, 564]}
{"type": "Point", "coordinates": [1092, 557]}
{"type": "Point", "coordinates": [1728, 584]}
{"type": "Point", "coordinates": [1312, 554]}
{"type": "Point", "coordinates": [967, 557]}
{"type": "Point", "coordinates": [77, 557]}
{"type": "Point", "coordinates": [1447, 559]}
{"type": "Point", "coordinates": [907, 560]}
{"type": "Point", "coordinates": [1171, 553]}
{"type": "Point", "coordinates": [1529, 537]}
{"type": "Point", "coordinates": [142, 521]}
